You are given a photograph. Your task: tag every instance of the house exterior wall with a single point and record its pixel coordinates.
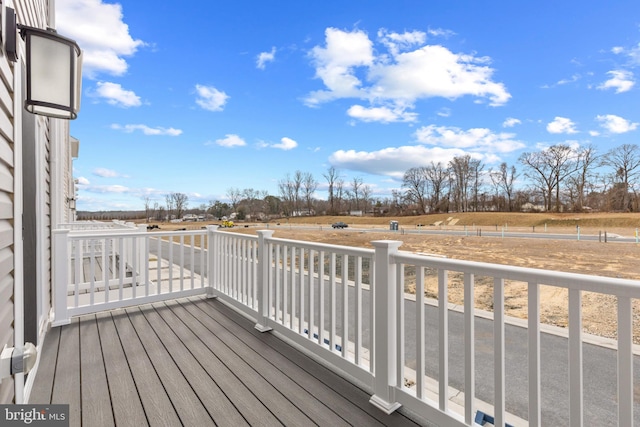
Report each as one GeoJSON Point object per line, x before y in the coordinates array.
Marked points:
{"type": "Point", "coordinates": [48, 134]}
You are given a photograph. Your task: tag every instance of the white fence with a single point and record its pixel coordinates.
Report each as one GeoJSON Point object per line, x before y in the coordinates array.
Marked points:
{"type": "Point", "coordinates": [348, 307]}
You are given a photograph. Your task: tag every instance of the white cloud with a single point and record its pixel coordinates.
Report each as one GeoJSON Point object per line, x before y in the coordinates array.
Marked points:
{"type": "Point", "coordinates": [230, 140]}
{"type": "Point", "coordinates": [444, 112]}
{"type": "Point", "coordinates": [474, 140]}
{"type": "Point", "coordinates": [118, 189]}
{"type": "Point", "coordinates": [106, 173]}
{"type": "Point", "coordinates": [511, 122]}
{"type": "Point", "coordinates": [396, 42]}
{"type": "Point", "coordinates": [616, 124]}
{"type": "Point", "coordinates": [81, 180]}
{"type": "Point", "coordinates": [594, 133]}
{"type": "Point", "coordinates": [115, 95]}
{"type": "Point", "coordinates": [286, 144]}
{"type": "Point", "coordinates": [394, 161]}
{"type": "Point", "coordinates": [147, 130]}
{"type": "Point", "coordinates": [350, 67]}
{"type": "Point", "coordinates": [561, 125]}
{"type": "Point", "coordinates": [101, 33]}
{"type": "Point", "coordinates": [381, 114]}
{"type": "Point", "coordinates": [335, 64]}
{"type": "Point", "coordinates": [211, 98]}
{"type": "Point", "coordinates": [264, 57]}
{"type": "Point", "coordinates": [621, 81]}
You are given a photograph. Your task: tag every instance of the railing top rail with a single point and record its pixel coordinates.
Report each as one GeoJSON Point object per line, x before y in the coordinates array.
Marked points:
{"type": "Point", "coordinates": [349, 250]}
{"type": "Point", "coordinates": [600, 284]}
{"type": "Point", "coordinates": [232, 234]}
{"type": "Point", "coordinates": [115, 233]}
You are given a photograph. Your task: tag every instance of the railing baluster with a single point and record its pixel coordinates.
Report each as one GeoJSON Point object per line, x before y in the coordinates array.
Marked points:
{"type": "Point", "coordinates": [105, 269]}
{"type": "Point", "coordinates": [625, 362]}
{"type": "Point", "coordinates": [78, 271]}
{"type": "Point", "coordinates": [134, 267]}
{"type": "Point", "coordinates": [358, 312]}
{"type": "Point", "coordinates": [92, 272]}
{"type": "Point", "coordinates": [443, 340]}
{"type": "Point", "coordinates": [285, 275]}
{"type": "Point", "coordinates": [292, 290]}
{"type": "Point", "coordinates": [400, 327]}
{"type": "Point", "coordinates": [121, 268]}
{"type": "Point", "coordinates": [469, 349]}
{"type": "Point", "coordinates": [277, 283]}
{"type": "Point", "coordinates": [575, 357]}
{"type": "Point", "coordinates": [499, 351]}
{"type": "Point", "coordinates": [345, 304]}
{"type": "Point", "coordinates": [159, 266]}
{"type": "Point", "coordinates": [311, 299]}
{"type": "Point", "coordinates": [420, 339]}
{"type": "Point", "coordinates": [192, 261]}
{"type": "Point", "coordinates": [534, 354]}
{"type": "Point", "coordinates": [332, 302]}
{"type": "Point", "coordinates": [322, 305]}
{"type": "Point", "coordinates": [301, 293]}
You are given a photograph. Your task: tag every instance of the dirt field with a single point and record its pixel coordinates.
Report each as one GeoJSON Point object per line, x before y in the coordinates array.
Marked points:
{"type": "Point", "coordinates": [603, 259]}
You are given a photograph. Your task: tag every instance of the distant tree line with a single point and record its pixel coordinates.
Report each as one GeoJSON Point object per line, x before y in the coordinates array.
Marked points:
{"type": "Point", "coordinates": [557, 178]}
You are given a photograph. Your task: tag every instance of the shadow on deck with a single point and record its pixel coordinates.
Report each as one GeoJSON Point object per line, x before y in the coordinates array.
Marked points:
{"type": "Point", "coordinates": [192, 362]}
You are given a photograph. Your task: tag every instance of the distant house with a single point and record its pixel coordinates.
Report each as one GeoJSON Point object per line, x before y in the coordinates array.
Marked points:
{"type": "Point", "coordinates": [530, 207]}
{"type": "Point", "coordinates": [37, 193]}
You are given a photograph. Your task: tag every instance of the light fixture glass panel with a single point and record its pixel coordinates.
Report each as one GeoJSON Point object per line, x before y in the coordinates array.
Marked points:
{"type": "Point", "coordinates": [50, 70]}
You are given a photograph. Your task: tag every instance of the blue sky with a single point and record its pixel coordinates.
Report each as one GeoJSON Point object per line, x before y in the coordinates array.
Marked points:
{"type": "Point", "coordinates": [200, 97]}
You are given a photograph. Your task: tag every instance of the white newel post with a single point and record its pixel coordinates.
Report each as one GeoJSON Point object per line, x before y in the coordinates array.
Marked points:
{"type": "Point", "coordinates": [263, 281]}
{"type": "Point", "coordinates": [60, 276]}
{"type": "Point", "coordinates": [212, 256]}
{"type": "Point", "coordinates": [385, 340]}
{"type": "Point", "coordinates": [142, 255]}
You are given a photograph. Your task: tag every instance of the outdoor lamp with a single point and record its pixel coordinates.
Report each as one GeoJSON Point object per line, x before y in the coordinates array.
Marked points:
{"type": "Point", "coordinates": [54, 70]}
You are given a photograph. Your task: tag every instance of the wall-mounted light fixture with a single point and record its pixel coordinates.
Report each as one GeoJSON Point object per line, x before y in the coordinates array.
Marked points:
{"type": "Point", "coordinates": [54, 69]}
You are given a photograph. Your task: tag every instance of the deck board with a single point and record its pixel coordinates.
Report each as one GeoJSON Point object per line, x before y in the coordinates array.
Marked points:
{"type": "Point", "coordinates": [125, 401]}
{"type": "Point", "coordinates": [151, 392]}
{"type": "Point", "coordinates": [191, 362]}
{"type": "Point", "coordinates": [96, 408]}
{"type": "Point", "coordinates": [213, 399]}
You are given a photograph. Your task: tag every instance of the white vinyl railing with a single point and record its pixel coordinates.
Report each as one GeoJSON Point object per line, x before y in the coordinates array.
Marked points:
{"type": "Point", "coordinates": [105, 269]}
{"type": "Point", "coordinates": [348, 307]}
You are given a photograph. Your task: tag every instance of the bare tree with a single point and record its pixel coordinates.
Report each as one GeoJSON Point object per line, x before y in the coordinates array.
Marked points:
{"type": "Point", "coordinates": [234, 195]}
{"type": "Point", "coordinates": [416, 185]}
{"type": "Point", "coordinates": [548, 169]}
{"type": "Point", "coordinates": [309, 186]}
{"type": "Point", "coordinates": [366, 191]}
{"type": "Point", "coordinates": [339, 193]}
{"type": "Point", "coordinates": [503, 179]}
{"type": "Point", "coordinates": [586, 161]}
{"type": "Point", "coordinates": [180, 203]}
{"type": "Point", "coordinates": [437, 175]}
{"type": "Point", "coordinates": [169, 201]}
{"type": "Point", "coordinates": [356, 185]}
{"type": "Point", "coordinates": [147, 207]}
{"type": "Point", "coordinates": [461, 172]}
{"type": "Point", "coordinates": [625, 160]}
{"type": "Point", "coordinates": [332, 176]}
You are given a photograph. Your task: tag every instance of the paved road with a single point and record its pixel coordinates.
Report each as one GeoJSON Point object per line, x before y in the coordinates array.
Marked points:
{"type": "Point", "coordinates": [600, 403]}
{"type": "Point", "coordinates": [483, 232]}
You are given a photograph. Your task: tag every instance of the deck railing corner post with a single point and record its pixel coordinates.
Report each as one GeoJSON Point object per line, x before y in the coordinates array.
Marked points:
{"type": "Point", "coordinates": [61, 261]}
{"type": "Point", "coordinates": [263, 280]}
{"type": "Point", "coordinates": [384, 328]}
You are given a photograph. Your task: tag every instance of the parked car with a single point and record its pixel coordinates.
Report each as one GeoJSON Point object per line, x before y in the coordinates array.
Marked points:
{"type": "Point", "coordinates": [339, 224]}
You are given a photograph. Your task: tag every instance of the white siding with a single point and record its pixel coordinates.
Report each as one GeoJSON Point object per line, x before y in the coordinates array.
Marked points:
{"type": "Point", "coordinates": [33, 13]}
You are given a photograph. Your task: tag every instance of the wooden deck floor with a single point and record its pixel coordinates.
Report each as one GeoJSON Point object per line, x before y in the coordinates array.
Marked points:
{"type": "Point", "coordinates": [191, 362]}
